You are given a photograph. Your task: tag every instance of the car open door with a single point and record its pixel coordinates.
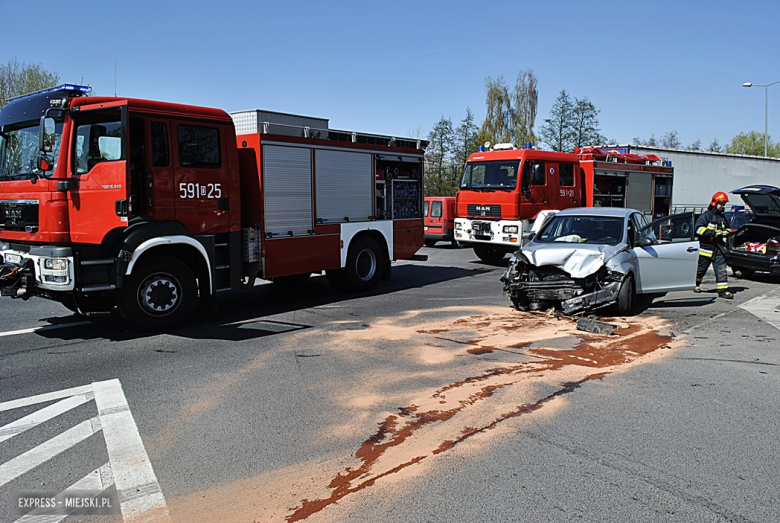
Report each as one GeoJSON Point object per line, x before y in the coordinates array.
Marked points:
{"type": "Point", "coordinates": [667, 254]}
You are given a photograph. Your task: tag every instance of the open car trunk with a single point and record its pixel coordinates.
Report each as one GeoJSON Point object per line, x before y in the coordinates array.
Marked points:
{"type": "Point", "coordinates": [756, 245]}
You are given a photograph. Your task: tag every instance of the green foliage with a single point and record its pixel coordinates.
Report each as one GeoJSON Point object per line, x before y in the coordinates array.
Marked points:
{"type": "Point", "coordinates": [510, 116]}
{"type": "Point", "coordinates": [571, 124]}
{"type": "Point", "coordinates": [695, 146]}
{"type": "Point", "coordinates": [557, 131]}
{"type": "Point", "coordinates": [585, 124]}
{"type": "Point", "coordinates": [438, 159]}
{"type": "Point", "coordinates": [753, 143]}
{"type": "Point", "coordinates": [714, 146]}
{"type": "Point", "coordinates": [17, 79]}
{"type": "Point", "coordinates": [670, 140]}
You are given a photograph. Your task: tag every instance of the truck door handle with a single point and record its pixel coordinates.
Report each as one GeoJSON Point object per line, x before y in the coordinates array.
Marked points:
{"type": "Point", "coordinates": [692, 249]}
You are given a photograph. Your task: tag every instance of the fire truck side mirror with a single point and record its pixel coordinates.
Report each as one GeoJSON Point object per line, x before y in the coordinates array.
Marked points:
{"type": "Point", "coordinates": [45, 163]}
{"type": "Point", "coordinates": [46, 135]}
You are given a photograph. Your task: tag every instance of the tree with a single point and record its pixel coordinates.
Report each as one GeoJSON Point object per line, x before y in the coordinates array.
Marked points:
{"type": "Point", "coordinates": [438, 172]}
{"type": "Point", "coordinates": [670, 140]}
{"type": "Point", "coordinates": [571, 124]}
{"type": "Point", "coordinates": [714, 146]}
{"type": "Point", "coordinates": [464, 141]}
{"type": "Point", "coordinates": [509, 117]}
{"type": "Point", "coordinates": [17, 79]}
{"type": "Point", "coordinates": [695, 146]}
{"type": "Point", "coordinates": [585, 124]}
{"type": "Point", "coordinates": [752, 143]}
{"type": "Point", "coordinates": [557, 131]}
{"type": "Point", "coordinates": [650, 142]}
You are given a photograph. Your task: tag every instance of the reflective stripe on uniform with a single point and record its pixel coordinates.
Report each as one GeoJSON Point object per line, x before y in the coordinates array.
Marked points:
{"type": "Point", "coordinates": [722, 286]}
{"type": "Point", "coordinates": [702, 252]}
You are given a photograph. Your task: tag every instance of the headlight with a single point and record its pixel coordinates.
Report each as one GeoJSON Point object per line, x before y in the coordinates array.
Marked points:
{"type": "Point", "coordinates": [458, 226]}
{"type": "Point", "coordinates": [55, 264]}
{"type": "Point", "coordinates": [511, 229]}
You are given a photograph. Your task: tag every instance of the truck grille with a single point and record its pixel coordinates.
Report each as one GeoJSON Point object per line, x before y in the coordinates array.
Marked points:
{"type": "Point", "coordinates": [15, 215]}
{"type": "Point", "coordinates": [492, 211]}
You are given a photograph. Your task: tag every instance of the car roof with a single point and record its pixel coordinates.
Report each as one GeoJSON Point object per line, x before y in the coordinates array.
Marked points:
{"type": "Point", "coordinates": [617, 212]}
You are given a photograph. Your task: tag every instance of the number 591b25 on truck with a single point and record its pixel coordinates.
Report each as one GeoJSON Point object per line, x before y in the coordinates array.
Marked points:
{"type": "Point", "coordinates": [149, 207]}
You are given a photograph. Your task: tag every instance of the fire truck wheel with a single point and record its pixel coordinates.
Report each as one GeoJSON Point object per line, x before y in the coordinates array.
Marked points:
{"type": "Point", "coordinates": [624, 306]}
{"type": "Point", "coordinates": [430, 243]}
{"type": "Point", "coordinates": [160, 294]}
{"type": "Point", "coordinates": [489, 254]}
{"type": "Point", "coordinates": [364, 265]}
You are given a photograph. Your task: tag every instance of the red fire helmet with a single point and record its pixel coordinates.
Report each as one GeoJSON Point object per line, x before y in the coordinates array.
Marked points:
{"type": "Point", "coordinates": [719, 197]}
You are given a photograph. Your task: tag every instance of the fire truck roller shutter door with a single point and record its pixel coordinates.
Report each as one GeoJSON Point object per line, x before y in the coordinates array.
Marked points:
{"type": "Point", "coordinates": [287, 188]}
{"type": "Point", "coordinates": [344, 182]}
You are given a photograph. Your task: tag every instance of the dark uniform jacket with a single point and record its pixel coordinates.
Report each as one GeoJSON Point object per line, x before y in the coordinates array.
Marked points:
{"type": "Point", "coordinates": [709, 223]}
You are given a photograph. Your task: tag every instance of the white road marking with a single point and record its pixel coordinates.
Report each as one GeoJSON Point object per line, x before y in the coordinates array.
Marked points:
{"type": "Point", "coordinates": [42, 415]}
{"type": "Point", "coordinates": [41, 398]}
{"type": "Point", "coordinates": [47, 450]}
{"type": "Point", "coordinates": [766, 307]}
{"type": "Point", "coordinates": [45, 328]}
{"type": "Point", "coordinates": [99, 479]}
{"type": "Point", "coordinates": [136, 483]}
{"type": "Point", "coordinates": [139, 493]}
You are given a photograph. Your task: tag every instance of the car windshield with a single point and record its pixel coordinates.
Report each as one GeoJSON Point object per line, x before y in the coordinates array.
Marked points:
{"type": "Point", "coordinates": [595, 230]}
{"type": "Point", "coordinates": [500, 175]}
{"type": "Point", "coordinates": [19, 150]}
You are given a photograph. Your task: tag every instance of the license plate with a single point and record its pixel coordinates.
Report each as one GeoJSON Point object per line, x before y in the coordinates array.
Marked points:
{"type": "Point", "coordinates": [13, 258]}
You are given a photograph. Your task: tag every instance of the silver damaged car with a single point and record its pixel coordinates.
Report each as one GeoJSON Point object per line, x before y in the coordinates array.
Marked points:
{"type": "Point", "coordinates": [592, 257]}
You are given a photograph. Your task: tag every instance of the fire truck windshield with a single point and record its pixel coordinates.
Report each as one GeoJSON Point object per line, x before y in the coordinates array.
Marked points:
{"type": "Point", "coordinates": [499, 175]}
{"type": "Point", "coordinates": [19, 150]}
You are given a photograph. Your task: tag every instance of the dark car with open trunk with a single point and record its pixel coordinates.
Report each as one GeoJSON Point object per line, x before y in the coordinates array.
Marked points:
{"type": "Point", "coordinates": [755, 247]}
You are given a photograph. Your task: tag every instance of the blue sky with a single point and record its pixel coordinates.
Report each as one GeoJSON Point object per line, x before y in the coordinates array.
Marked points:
{"type": "Point", "coordinates": [397, 67]}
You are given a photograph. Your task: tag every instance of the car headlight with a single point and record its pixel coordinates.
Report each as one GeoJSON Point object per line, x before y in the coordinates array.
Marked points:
{"type": "Point", "coordinates": [56, 264]}
{"type": "Point", "coordinates": [511, 229]}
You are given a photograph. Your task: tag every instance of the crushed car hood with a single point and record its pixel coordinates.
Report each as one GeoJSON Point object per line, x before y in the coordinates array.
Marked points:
{"type": "Point", "coordinates": [576, 259]}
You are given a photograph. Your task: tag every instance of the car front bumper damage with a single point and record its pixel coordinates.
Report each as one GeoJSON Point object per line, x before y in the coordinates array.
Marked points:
{"type": "Point", "coordinates": [541, 288]}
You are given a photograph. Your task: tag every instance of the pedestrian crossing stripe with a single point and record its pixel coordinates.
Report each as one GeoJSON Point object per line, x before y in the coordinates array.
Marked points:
{"type": "Point", "coordinates": [128, 469]}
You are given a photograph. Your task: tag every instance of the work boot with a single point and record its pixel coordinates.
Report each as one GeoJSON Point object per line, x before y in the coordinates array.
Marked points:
{"type": "Point", "coordinates": [726, 294]}
{"type": "Point", "coordinates": [697, 290]}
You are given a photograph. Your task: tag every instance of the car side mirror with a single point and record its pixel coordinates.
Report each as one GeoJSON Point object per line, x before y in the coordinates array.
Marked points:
{"type": "Point", "coordinates": [531, 236]}
{"type": "Point", "coordinates": [644, 242]}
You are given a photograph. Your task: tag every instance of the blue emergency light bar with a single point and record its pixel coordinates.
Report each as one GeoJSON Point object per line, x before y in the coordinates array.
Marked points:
{"type": "Point", "coordinates": [78, 89]}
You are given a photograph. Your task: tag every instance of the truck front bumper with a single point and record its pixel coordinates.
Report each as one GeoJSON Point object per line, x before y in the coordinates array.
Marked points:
{"type": "Point", "coordinates": [26, 269]}
{"type": "Point", "coordinates": [504, 233]}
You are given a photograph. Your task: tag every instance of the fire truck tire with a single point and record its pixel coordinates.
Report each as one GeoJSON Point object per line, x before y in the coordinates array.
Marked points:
{"type": "Point", "coordinates": [489, 254]}
{"type": "Point", "coordinates": [430, 243]}
{"type": "Point", "coordinates": [365, 264]}
{"type": "Point", "coordinates": [161, 293]}
{"type": "Point", "coordinates": [624, 306]}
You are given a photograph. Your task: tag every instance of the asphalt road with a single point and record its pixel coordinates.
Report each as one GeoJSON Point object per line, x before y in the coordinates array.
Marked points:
{"type": "Point", "coordinates": [426, 400]}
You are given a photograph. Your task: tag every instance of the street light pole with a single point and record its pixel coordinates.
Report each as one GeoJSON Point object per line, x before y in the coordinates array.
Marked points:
{"type": "Point", "coordinates": [766, 109]}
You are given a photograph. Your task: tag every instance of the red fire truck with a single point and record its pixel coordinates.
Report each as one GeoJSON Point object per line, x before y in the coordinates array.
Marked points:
{"type": "Point", "coordinates": [506, 193]}
{"type": "Point", "coordinates": [147, 206]}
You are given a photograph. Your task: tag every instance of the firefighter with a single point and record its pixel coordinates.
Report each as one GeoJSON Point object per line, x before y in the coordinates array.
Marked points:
{"type": "Point", "coordinates": [712, 229]}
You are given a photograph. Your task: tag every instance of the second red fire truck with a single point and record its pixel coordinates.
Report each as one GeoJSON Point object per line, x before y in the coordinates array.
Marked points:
{"type": "Point", "coordinates": [506, 192]}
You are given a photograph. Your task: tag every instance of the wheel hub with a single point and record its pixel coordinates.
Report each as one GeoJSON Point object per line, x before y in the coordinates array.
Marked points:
{"type": "Point", "coordinates": [159, 294]}
{"type": "Point", "coordinates": [366, 264]}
